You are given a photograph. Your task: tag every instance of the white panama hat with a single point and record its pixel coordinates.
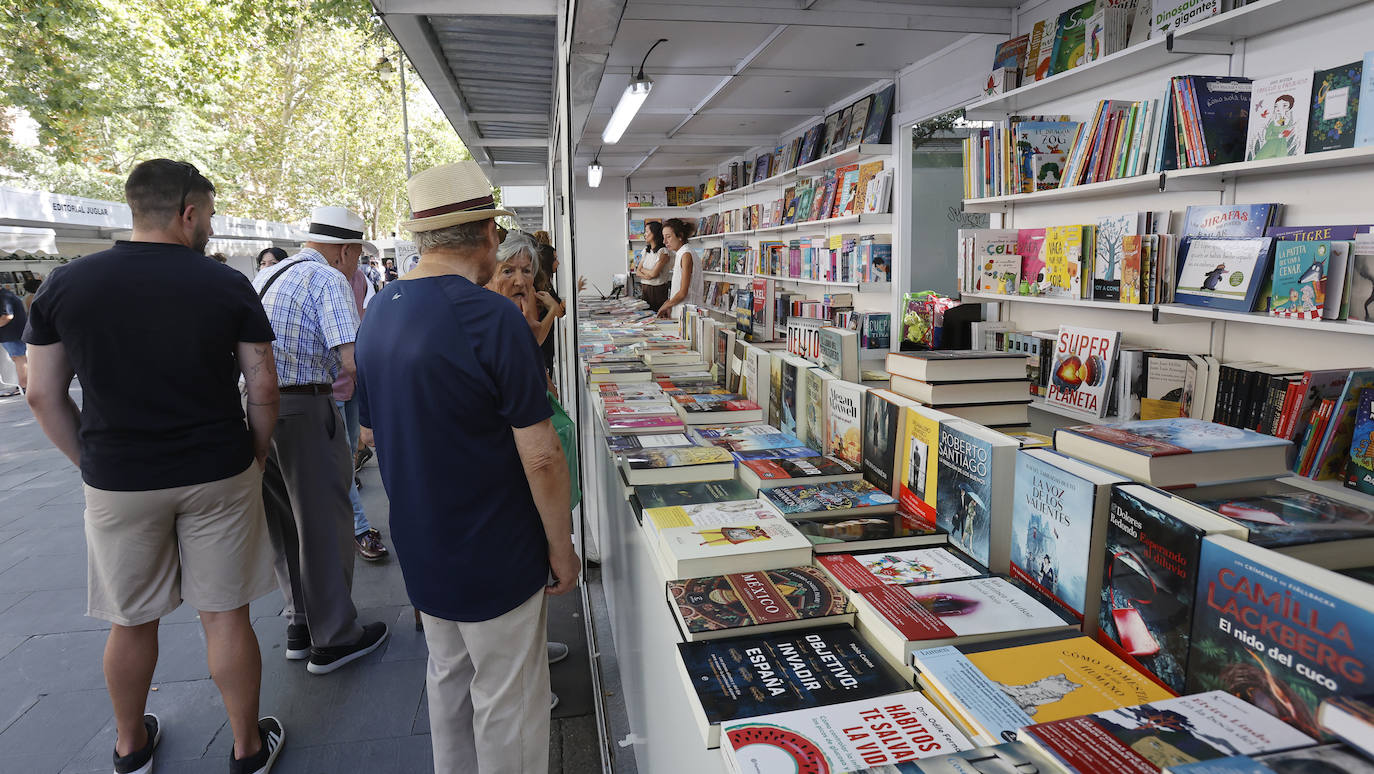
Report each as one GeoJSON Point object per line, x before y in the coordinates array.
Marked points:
{"type": "Point", "coordinates": [335, 226]}
{"type": "Point", "coordinates": [448, 195]}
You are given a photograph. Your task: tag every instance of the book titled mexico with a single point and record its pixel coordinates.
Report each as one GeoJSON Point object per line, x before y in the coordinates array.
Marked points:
{"type": "Point", "coordinates": [1278, 631]}
{"type": "Point", "coordinates": [1147, 738]}
{"type": "Point", "coordinates": [837, 498]}
{"type": "Point", "coordinates": [869, 735]}
{"type": "Point", "coordinates": [750, 603]}
{"type": "Point", "coordinates": [744, 677]}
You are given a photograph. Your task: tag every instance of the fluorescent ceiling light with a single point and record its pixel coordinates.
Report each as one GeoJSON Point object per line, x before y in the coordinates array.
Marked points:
{"type": "Point", "coordinates": [594, 174]}
{"type": "Point", "coordinates": [625, 110]}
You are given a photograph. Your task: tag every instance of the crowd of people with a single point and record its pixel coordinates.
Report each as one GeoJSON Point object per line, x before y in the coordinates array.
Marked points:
{"type": "Point", "coordinates": [219, 457]}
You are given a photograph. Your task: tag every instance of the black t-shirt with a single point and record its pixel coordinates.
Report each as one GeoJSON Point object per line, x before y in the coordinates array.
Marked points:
{"type": "Point", "coordinates": [10, 304]}
{"type": "Point", "coordinates": [548, 346]}
{"type": "Point", "coordinates": [151, 331]}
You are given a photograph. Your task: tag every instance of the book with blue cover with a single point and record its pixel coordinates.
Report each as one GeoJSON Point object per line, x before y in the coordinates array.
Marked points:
{"type": "Point", "coordinates": [835, 498]}
{"type": "Point", "coordinates": [1229, 220]}
{"type": "Point", "coordinates": [744, 443]}
{"type": "Point", "coordinates": [974, 491]}
{"type": "Point", "coordinates": [1298, 285]}
{"type": "Point", "coordinates": [1279, 632]}
{"type": "Point", "coordinates": [1223, 105]}
{"type": "Point", "coordinates": [1359, 471]}
{"type": "Point", "coordinates": [1223, 273]}
{"type": "Point", "coordinates": [785, 452]}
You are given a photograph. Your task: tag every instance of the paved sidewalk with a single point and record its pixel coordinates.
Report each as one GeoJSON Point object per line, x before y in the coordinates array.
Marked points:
{"type": "Point", "coordinates": [55, 714]}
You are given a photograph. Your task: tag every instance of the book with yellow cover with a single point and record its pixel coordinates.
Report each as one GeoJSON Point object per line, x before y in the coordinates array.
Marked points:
{"type": "Point", "coordinates": [997, 691]}
{"type": "Point", "coordinates": [866, 173]}
{"type": "Point", "coordinates": [916, 465]}
{"type": "Point", "coordinates": [1064, 262]}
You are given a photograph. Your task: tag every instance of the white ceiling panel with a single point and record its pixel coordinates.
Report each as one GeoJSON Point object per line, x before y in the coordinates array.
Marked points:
{"type": "Point", "coordinates": [690, 44]}
{"type": "Point", "coordinates": [762, 93]}
{"type": "Point", "coordinates": [819, 48]}
{"type": "Point", "coordinates": [669, 91]}
{"type": "Point", "coordinates": [759, 123]}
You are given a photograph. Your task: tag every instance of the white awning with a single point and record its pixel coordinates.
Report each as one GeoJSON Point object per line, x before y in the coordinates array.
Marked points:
{"type": "Point", "coordinates": [233, 247]}
{"type": "Point", "coordinates": [34, 241]}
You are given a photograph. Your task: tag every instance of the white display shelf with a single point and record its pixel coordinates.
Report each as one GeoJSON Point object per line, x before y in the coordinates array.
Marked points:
{"type": "Point", "coordinates": [1081, 418]}
{"type": "Point", "coordinates": [1261, 318]}
{"type": "Point", "coordinates": [661, 208]}
{"type": "Point", "coordinates": [728, 275]}
{"type": "Point", "coordinates": [863, 287]}
{"type": "Point", "coordinates": [1195, 179]}
{"type": "Point", "coordinates": [725, 235]}
{"type": "Point", "coordinates": [878, 219]}
{"type": "Point", "coordinates": [833, 161]}
{"type": "Point", "coordinates": [1113, 305]}
{"type": "Point", "coordinates": [1213, 35]}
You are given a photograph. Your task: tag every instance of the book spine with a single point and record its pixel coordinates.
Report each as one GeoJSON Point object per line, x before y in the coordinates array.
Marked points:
{"type": "Point", "coordinates": [1307, 453]}
{"type": "Point", "coordinates": [1292, 404]}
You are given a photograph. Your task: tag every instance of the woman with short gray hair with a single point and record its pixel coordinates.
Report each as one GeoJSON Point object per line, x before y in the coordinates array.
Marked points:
{"type": "Point", "coordinates": [517, 272]}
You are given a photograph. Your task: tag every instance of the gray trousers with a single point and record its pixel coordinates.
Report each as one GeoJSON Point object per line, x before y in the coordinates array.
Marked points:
{"type": "Point", "coordinates": [309, 518]}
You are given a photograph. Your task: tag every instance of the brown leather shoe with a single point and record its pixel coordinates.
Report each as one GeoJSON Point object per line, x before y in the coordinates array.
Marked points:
{"type": "Point", "coordinates": [370, 546]}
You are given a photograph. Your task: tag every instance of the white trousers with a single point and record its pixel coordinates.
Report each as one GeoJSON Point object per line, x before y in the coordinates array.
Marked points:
{"type": "Point", "coordinates": [488, 685]}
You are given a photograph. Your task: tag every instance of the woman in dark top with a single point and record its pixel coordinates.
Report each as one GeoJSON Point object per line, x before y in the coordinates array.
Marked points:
{"type": "Point", "coordinates": [548, 264]}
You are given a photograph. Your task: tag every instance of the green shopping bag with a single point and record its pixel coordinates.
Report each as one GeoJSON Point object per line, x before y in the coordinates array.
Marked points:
{"type": "Point", "coordinates": [567, 435]}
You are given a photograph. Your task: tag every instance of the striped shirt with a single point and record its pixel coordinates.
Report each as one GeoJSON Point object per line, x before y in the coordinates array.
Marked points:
{"type": "Point", "coordinates": [312, 312]}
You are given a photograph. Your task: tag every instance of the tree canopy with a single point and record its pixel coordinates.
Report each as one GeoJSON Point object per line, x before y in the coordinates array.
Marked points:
{"type": "Point", "coordinates": [278, 102]}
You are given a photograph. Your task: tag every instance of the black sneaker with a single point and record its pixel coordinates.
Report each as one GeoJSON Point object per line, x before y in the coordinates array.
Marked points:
{"type": "Point", "coordinates": [141, 761]}
{"type": "Point", "coordinates": [326, 660]}
{"type": "Point", "coordinates": [297, 642]}
{"type": "Point", "coordinates": [273, 737]}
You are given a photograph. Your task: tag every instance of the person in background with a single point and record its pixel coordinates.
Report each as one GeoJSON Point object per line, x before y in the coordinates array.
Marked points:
{"type": "Point", "coordinates": [368, 540]}
{"type": "Point", "coordinates": [687, 284]}
{"type": "Point", "coordinates": [516, 277]}
{"type": "Point", "coordinates": [31, 287]}
{"type": "Point", "coordinates": [219, 257]}
{"type": "Point", "coordinates": [389, 273]}
{"type": "Point", "coordinates": [548, 264]}
{"type": "Point", "coordinates": [451, 385]}
{"type": "Point", "coordinates": [372, 267]}
{"type": "Point", "coordinates": [270, 256]}
{"type": "Point", "coordinates": [543, 239]}
{"type": "Point", "coordinates": [655, 267]}
{"type": "Point", "coordinates": [305, 488]}
{"type": "Point", "coordinates": [13, 317]}
{"type": "Point", "coordinates": [173, 474]}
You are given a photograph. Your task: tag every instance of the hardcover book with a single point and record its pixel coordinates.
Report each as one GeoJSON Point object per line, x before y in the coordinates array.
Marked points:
{"type": "Point", "coordinates": [880, 734]}
{"type": "Point", "coordinates": [974, 489]}
{"type": "Point", "coordinates": [1040, 138]}
{"type": "Point", "coordinates": [879, 116]}
{"type": "Point", "coordinates": [1082, 365]}
{"type": "Point", "coordinates": [1070, 38]}
{"type": "Point", "coordinates": [693, 493]}
{"type": "Point", "coordinates": [1359, 471]}
{"type": "Point", "coordinates": [756, 602]}
{"type": "Point", "coordinates": [995, 691]}
{"type": "Point", "coordinates": [838, 498]}
{"type": "Point", "coordinates": [1149, 737]}
{"type": "Point", "coordinates": [843, 422]}
{"type": "Point", "coordinates": [1335, 107]}
{"type": "Point", "coordinates": [1298, 284]}
{"type": "Point", "coordinates": [882, 411]}
{"type": "Point", "coordinates": [1149, 581]}
{"type": "Point", "coordinates": [1223, 273]}
{"type": "Point", "coordinates": [1063, 262]}
{"type": "Point", "coordinates": [1059, 515]}
{"type": "Point", "coordinates": [1109, 253]}
{"type": "Point", "coordinates": [1229, 220]}
{"type": "Point", "coordinates": [737, 545]}
{"type": "Point", "coordinates": [744, 677]}
{"type": "Point", "coordinates": [751, 442]}
{"type": "Point", "coordinates": [1279, 116]}
{"type": "Point", "coordinates": [859, 571]}
{"type": "Point", "coordinates": [1278, 632]}
{"type": "Point", "coordinates": [1176, 452]}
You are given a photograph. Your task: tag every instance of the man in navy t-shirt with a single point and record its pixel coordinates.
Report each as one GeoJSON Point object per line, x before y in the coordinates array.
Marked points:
{"type": "Point", "coordinates": [451, 383]}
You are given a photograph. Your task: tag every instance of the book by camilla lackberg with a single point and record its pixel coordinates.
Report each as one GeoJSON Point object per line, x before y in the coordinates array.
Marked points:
{"type": "Point", "coordinates": [758, 602]}
{"type": "Point", "coordinates": [1149, 737]}
{"type": "Point", "coordinates": [859, 571]}
{"type": "Point", "coordinates": [1082, 369]}
{"type": "Point", "coordinates": [1059, 514]}
{"type": "Point", "coordinates": [994, 691]}
{"type": "Point", "coordinates": [974, 491]}
{"type": "Point", "coordinates": [1149, 579]}
{"type": "Point", "coordinates": [744, 677]}
{"type": "Point", "coordinates": [888, 733]}
{"type": "Point", "coordinates": [1176, 452]}
{"type": "Point", "coordinates": [1278, 631]}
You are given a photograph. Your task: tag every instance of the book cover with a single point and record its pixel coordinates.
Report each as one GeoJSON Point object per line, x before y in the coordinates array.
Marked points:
{"type": "Point", "coordinates": [1278, 632]}
{"type": "Point", "coordinates": [957, 608]}
{"type": "Point", "coordinates": [1223, 273]}
{"type": "Point", "coordinates": [866, 532]}
{"type": "Point", "coordinates": [1298, 283]}
{"type": "Point", "coordinates": [1334, 443]}
{"type": "Point", "coordinates": [1150, 572]}
{"type": "Point", "coordinates": [916, 484]}
{"type": "Point", "coordinates": [643, 424]}
{"type": "Point", "coordinates": [1130, 269]}
{"type": "Point", "coordinates": [877, 734]}
{"type": "Point", "coordinates": [879, 115]}
{"type": "Point", "coordinates": [867, 172]}
{"type": "Point", "coordinates": [1149, 737]}
{"type": "Point", "coordinates": [1000, 274]}
{"type": "Point", "coordinates": [776, 453]}
{"type": "Point", "coordinates": [1364, 124]}
{"type": "Point", "coordinates": [1030, 245]}
{"type": "Point", "coordinates": [695, 493]}
{"type": "Point", "coordinates": [742, 544]}
{"type": "Point", "coordinates": [744, 677]}
{"type": "Point", "coordinates": [1228, 220]}
{"type": "Point", "coordinates": [1053, 526]}
{"type": "Point", "coordinates": [843, 426]}
{"type": "Point", "coordinates": [1294, 517]}
{"type": "Point", "coordinates": [627, 443]}
{"type": "Point", "coordinates": [1359, 471]}
{"type": "Point", "coordinates": [1041, 138]}
{"type": "Point", "coordinates": [848, 193]}
{"type": "Point", "coordinates": [711, 514]}
{"type": "Point", "coordinates": [1169, 15]}
{"type": "Point", "coordinates": [1109, 253]}
{"type": "Point", "coordinates": [1002, 690]}
{"type": "Point", "coordinates": [896, 568]}
{"type": "Point", "coordinates": [1278, 116]}
{"type": "Point", "coordinates": [832, 496]}
{"type": "Point", "coordinates": [737, 432]}
{"type": "Point", "coordinates": [724, 602]}
{"type": "Point", "coordinates": [799, 467]}
{"type": "Point", "coordinates": [1223, 115]}
{"type": "Point", "coordinates": [1070, 38]}
{"type": "Point", "coordinates": [1081, 369]}
{"type": "Point", "coordinates": [1007, 757]}
{"type": "Point", "coordinates": [1335, 107]}
{"type": "Point", "coordinates": [1160, 437]}
{"type": "Point", "coordinates": [1063, 262]}
{"type": "Point", "coordinates": [963, 499]}
{"type": "Point", "coordinates": [754, 441]}
{"type": "Point", "coordinates": [813, 383]}
{"type": "Point", "coordinates": [880, 439]}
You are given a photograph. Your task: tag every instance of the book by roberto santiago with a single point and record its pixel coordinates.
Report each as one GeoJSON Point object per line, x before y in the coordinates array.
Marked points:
{"type": "Point", "coordinates": [964, 491]}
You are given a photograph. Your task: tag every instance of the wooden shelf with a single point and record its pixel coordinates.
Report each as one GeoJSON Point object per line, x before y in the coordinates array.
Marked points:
{"type": "Point", "coordinates": [1088, 302]}
{"type": "Point", "coordinates": [1214, 35]}
{"type": "Point", "coordinates": [1262, 318]}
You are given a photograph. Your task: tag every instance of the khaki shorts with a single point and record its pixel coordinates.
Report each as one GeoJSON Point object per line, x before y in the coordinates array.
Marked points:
{"type": "Point", "coordinates": [206, 544]}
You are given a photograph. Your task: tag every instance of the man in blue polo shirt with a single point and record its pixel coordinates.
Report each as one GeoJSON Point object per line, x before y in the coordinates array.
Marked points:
{"type": "Point", "coordinates": [451, 382]}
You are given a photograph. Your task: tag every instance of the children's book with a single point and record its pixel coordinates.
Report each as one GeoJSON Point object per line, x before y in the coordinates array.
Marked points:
{"type": "Point", "coordinates": [1082, 366]}
{"type": "Point", "coordinates": [1279, 116]}
{"type": "Point", "coordinates": [1109, 253]}
{"type": "Point", "coordinates": [1229, 220]}
{"type": "Point", "coordinates": [1070, 40]}
{"type": "Point", "coordinates": [1169, 15]}
{"type": "Point", "coordinates": [1043, 139]}
{"type": "Point", "coordinates": [1359, 471]}
{"type": "Point", "coordinates": [1335, 107]}
{"type": "Point", "coordinates": [1223, 273]}
{"type": "Point", "coordinates": [1064, 262]}
{"type": "Point", "coordinates": [1130, 269]}
{"type": "Point", "coordinates": [1298, 286]}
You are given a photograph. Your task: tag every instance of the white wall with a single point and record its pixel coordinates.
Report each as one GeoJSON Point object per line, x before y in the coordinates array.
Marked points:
{"type": "Point", "coordinates": [600, 231]}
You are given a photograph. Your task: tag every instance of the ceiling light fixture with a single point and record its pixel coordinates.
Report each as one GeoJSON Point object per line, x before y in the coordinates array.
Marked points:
{"type": "Point", "coordinates": [630, 102]}
{"type": "Point", "coordinates": [594, 171]}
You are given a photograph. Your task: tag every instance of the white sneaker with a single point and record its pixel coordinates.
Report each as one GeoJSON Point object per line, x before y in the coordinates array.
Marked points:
{"type": "Point", "coordinates": [557, 652]}
{"type": "Point", "coordinates": [553, 704]}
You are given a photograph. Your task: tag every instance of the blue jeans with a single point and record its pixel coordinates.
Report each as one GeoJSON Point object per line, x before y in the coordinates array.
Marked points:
{"type": "Point", "coordinates": [353, 427]}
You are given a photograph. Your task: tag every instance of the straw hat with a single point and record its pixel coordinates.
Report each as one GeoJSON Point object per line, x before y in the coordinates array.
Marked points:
{"type": "Point", "coordinates": [448, 195]}
{"type": "Point", "coordinates": [335, 226]}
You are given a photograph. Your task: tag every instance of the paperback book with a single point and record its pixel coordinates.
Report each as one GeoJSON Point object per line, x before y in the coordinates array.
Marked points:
{"type": "Point", "coordinates": [1082, 366]}
{"type": "Point", "coordinates": [974, 489]}
{"type": "Point", "coordinates": [695, 493]}
{"type": "Point", "coordinates": [860, 571]}
{"type": "Point", "coordinates": [878, 532]}
{"type": "Point", "coordinates": [1176, 452]}
{"type": "Point", "coordinates": [1279, 116]}
{"type": "Point", "coordinates": [843, 423]}
{"type": "Point", "coordinates": [838, 498]}
{"type": "Point", "coordinates": [750, 603]}
{"type": "Point", "coordinates": [882, 411]}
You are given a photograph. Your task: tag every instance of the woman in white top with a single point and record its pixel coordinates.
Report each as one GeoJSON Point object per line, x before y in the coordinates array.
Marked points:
{"type": "Point", "coordinates": [687, 284]}
{"type": "Point", "coordinates": [655, 268]}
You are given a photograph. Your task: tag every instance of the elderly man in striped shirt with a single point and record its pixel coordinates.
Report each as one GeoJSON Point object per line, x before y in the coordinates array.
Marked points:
{"type": "Point", "coordinates": [310, 468]}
